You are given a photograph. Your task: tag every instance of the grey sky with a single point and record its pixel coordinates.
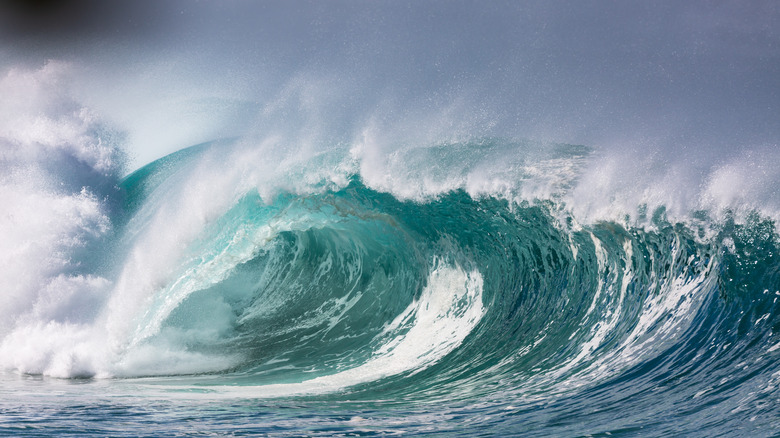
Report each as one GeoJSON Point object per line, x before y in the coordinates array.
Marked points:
{"type": "Point", "coordinates": [701, 76]}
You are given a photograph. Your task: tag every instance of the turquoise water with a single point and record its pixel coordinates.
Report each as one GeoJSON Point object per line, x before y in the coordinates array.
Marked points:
{"type": "Point", "coordinates": [237, 295]}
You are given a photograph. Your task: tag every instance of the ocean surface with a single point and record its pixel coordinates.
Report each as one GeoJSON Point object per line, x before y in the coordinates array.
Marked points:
{"type": "Point", "coordinates": [449, 219]}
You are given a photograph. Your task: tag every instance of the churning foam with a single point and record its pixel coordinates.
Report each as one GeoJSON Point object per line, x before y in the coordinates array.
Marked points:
{"type": "Point", "coordinates": [58, 165]}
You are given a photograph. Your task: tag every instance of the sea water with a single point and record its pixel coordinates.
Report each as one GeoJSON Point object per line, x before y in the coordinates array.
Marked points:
{"type": "Point", "coordinates": [359, 262]}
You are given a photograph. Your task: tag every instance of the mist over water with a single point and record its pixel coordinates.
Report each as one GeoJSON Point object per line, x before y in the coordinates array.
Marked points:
{"type": "Point", "coordinates": [333, 218]}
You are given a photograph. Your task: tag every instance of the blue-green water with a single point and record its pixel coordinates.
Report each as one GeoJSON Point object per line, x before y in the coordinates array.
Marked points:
{"type": "Point", "coordinates": [219, 292]}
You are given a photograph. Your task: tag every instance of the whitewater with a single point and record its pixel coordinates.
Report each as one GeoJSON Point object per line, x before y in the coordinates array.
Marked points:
{"type": "Point", "coordinates": [349, 266]}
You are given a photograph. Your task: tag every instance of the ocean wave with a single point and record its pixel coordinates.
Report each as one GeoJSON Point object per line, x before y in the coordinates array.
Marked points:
{"type": "Point", "coordinates": [510, 272]}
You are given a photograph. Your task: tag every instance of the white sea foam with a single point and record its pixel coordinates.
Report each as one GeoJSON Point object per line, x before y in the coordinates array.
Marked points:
{"type": "Point", "coordinates": [57, 161]}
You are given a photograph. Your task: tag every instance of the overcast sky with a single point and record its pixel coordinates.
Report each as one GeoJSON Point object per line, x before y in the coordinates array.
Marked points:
{"type": "Point", "coordinates": [702, 76]}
